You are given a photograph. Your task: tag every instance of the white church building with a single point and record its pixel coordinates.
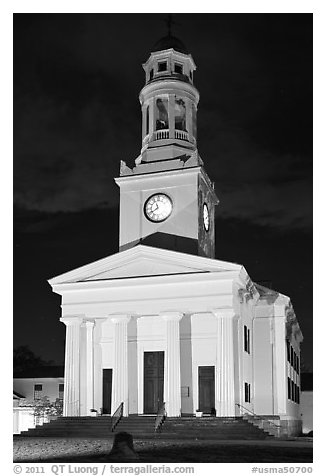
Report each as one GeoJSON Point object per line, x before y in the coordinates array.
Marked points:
{"type": "Point", "coordinates": [163, 322]}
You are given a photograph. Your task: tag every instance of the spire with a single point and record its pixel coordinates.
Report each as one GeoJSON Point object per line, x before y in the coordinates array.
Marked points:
{"type": "Point", "coordinates": [169, 22]}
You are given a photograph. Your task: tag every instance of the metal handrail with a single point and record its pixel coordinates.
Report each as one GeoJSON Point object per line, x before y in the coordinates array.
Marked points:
{"type": "Point", "coordinates": [116, 417]}
{"type": "Point", "coordinates": [258, 416]}
{"type": "Point", "coordinates": [160, 418]}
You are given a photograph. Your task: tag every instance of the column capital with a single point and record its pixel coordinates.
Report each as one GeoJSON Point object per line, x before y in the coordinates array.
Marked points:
{"type": "Point", "coordinates": [72, 320]}
{"type": "Point", "coordinates": [117, 318]}
{"type": "Point", "coordinates": [90, 323]}
{"type": "Point", "coordinates": [171, 315]}
{"type": "Point", "coordinates": [227, 313]}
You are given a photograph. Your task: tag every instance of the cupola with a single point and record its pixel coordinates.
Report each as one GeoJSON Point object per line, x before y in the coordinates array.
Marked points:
{"type": "Point", "coordinates": [169, 102]}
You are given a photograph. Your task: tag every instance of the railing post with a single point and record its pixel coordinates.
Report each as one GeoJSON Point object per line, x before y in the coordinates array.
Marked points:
{"type": "Point", "coordinates": [160, 418]}
{"type": "Point", "coordinates": [116, 417]}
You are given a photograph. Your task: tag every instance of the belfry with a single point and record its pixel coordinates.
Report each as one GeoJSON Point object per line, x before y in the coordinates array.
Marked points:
{"type": "Point", "coordinates": [163, 326]}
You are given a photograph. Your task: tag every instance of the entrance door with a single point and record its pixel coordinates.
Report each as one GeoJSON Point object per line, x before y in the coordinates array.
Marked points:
{"type": "Point", "coordinates": [107, 390]}
{"type": "Point", "coordinates": [153, 381]}
{"type": "Point", "coordinates": [206, 384]}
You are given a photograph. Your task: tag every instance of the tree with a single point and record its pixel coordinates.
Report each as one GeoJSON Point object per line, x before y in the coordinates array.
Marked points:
{"type": "Point", "coordinates": [24, 359]}
{"type": "Point", "coordinates": [43, 409]}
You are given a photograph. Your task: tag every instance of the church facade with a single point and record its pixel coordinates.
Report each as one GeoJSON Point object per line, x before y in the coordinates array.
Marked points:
{"type": "Point", "coordinates": [163, 322]}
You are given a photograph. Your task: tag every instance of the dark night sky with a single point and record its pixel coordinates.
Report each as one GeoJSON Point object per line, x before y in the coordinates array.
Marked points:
{"type": "Point", "coordinates": [76, 115]}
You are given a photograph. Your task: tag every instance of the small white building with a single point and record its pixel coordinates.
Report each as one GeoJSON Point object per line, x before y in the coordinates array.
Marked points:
{"type": "Point", "coordinates": [23, 416]}
{"type": "Point", "coordinates": [30, 386]}
{"type": "Point", "coordinates": [163, 321]}
{"type": "Point", "coordinates": [306, 402]}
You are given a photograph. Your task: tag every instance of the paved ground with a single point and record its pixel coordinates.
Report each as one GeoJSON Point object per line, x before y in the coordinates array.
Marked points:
{"type": "Point", "coordinates": [81, 450]}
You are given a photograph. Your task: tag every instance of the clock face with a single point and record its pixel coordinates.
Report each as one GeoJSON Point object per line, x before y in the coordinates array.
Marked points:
{"type": "Point", "coordinates": [158, 207]}
{"type": "Point", "coordinates": [206, 216]}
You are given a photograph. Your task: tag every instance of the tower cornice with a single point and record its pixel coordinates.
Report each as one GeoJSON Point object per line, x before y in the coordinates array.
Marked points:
{"type": "Point", "coordinates": [168, 86]}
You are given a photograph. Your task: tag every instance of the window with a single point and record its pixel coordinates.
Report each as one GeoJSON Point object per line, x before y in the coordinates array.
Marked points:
{"type": "Point", "coordinates": [293, 357]}
{"type": "Point", "coordinates": [293, 390]}
{"type": "Point", "coordinates": [194, 121]}
{"type": "Point", "coordinates": [178, 68]}
{"type": "Point", "coordinates": [247, 392]}
{"type": "Point", "coordinates": [180, 114]}
{"type": "Point", "coordinates": [147, 121]}
{"type": "Point", "coordinates": [61, 390]}
{"type": "Point", "coordinates": [38, 391]}
{"type": "Point", "coordinates": [162, 121]}
{"type": "Point", "coordinates": [162, 66]}
{"type": "Point", "coordinates": [151, 74]}
{"type": "Point", "coordinates": [246, 337]}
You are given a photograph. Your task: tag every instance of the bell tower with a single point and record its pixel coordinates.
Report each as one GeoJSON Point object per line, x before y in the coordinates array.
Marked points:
{"type": "Point", "coordinates": [167, 200]}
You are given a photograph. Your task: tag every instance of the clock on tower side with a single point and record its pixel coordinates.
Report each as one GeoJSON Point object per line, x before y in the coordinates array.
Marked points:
{"type": "Point", "coordinates": [167, 199]}
{"type": "Point", "coordinates": [207, 201]}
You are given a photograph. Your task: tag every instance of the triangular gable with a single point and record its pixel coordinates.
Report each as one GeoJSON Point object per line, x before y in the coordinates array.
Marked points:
{"type": "Point", "coordinates": [143, 261]}
{"type": "Point", "coordinates": [143, 266]}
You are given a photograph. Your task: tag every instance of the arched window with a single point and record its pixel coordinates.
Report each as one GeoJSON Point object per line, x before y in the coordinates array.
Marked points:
{"type": "Point", "coordinates": [162, 117]}
{"type": "Point", "coordinates": [147, 121]}
{"type": "Point", "coordinates": [194, 121]}
{"type": "Point", "coordinates": [180, 114]}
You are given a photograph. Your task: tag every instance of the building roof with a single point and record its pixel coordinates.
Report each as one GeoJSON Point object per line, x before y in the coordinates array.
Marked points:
{"type": "Point", "coordinates": [17, 395]}
{"type": "Point", "coordinates": [306, 381]}
{"type": "Point", "coordinates": [264, 292]}
{"type": "Point", "coordinates": [143, 261]}
{"type": "Point", "coordinates": [49, 371]}
{"type": "Point", "coordinates": [168, 42]}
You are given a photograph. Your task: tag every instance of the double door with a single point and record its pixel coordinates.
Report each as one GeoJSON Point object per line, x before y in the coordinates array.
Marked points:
{"type": "Point", "coordinates": [206, 385]}
{"type": "Point", "coordinates": [153, 381]}
{"type": "Point", "coordinates": [107, 391]}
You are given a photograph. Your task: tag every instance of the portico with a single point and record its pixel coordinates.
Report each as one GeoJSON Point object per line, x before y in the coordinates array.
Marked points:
{"type": "Point", "coordinates": [98, 339]}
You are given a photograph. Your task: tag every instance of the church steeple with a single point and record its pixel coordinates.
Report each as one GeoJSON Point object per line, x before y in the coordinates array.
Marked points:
{"type": "Point", "coordinates": [167, 200]}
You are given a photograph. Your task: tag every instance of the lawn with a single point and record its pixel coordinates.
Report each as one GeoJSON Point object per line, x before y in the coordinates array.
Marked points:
{"type": "Point", "coordinates": [82, 450]}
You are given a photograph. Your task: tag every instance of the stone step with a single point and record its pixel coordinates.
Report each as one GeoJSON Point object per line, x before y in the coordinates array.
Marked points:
{"type": "Point", "coordinates": [143, 427]}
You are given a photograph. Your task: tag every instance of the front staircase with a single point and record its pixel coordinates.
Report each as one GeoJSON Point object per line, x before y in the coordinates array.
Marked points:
{"type": "Point", "coordinates": [142, 427]}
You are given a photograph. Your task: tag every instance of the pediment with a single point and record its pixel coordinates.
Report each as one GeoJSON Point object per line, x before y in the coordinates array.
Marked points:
{"type": "Point", "coordinates": [141, 261]}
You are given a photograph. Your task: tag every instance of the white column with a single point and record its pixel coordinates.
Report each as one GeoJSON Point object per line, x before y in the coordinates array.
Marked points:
{"type": "Point", "coordinates": [120, 363]}
{"type": "Point", "coordinates": [89, 366]}
{"type": "Point", "coordinates": [172, 378]}
{"type": "Point", "coordinates": [152, 117]}
{"type": "Point", "coordinates": [225, 396]}
{"type": "Point", "coordinates": [171, 111]}
{"type": "Point", "coordinates": [71, 398]}
{"type": "Point", "coordinates": [279, 360]}
{"type": "Point", "coordinates": [189, 119]}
